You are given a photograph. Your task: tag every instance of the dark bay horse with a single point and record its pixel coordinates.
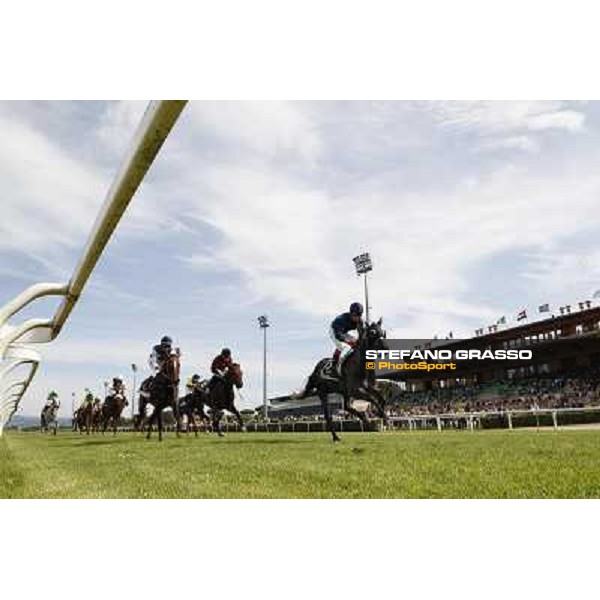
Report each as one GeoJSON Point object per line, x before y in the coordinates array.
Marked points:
{"type": "Point", "coordinates": [192, 405]}
{"type": "Point", "coordinates": [111, 411]}
{"type": "Point", "coordinates": [163, 394]}
{"type": "Point", "coordinates": [97, 415]}
{"type": "Point", "coordinates": [220, 396]}
{"type": "Point", "coordinates": [83, 417]}
{"type": "Point", "coordinates": [356, 381]}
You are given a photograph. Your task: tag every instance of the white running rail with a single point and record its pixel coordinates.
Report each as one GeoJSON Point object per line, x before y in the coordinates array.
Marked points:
{"type": "Point", "coordinates": [16, 340]}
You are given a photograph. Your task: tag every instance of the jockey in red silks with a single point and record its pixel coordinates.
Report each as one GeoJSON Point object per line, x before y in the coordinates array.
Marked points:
{"type": "Point", "coordinates": [220, 365]}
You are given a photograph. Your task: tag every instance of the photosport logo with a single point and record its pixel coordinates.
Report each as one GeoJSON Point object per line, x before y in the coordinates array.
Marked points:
{"type": "Point", "coordinates": [436, 360]}
{"type": "Point", "coordinates": [458, 358]}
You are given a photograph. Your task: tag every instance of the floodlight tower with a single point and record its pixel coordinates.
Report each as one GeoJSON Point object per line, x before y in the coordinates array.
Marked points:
{"type": "Point", "coordinates": [363, 265]}
{"type": "Point", "coordinates": [263, 322]}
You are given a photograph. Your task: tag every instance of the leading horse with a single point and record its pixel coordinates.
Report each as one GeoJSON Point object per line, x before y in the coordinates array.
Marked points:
{"type": "Point", "coordinates": [355, 382]}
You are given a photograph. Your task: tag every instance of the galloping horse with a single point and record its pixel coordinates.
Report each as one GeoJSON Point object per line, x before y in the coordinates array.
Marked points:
{"type": "Point", "coordinates": [48, 418]}
{"type": "Point", "coordinates": [163, 394]}
{"type": "Point", "coordinates": [220, 396]}
{"type": "Point", "coordinates": [192, 405]}
{"type": "Point", "coordinates": [356, 381]}
{"type": "Point", "coordinates": [139, 419]}
{"type": "Point", "coordinates": [97, 409]}
{"type": "Point", "coordinates": [83, 417]}
{"type": "Point", "coordinates": [111, 411]}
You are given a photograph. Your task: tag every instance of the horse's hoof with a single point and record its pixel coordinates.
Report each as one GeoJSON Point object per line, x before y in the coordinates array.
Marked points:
{"type": "Point", "coordinates": [336, 439]}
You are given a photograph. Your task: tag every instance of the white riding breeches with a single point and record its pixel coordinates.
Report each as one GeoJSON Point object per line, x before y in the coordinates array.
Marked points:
{"type": "Point", "coordinates": [342, 346]}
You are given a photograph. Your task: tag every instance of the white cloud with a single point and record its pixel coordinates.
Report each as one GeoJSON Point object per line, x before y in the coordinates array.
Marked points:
{"type": "Point", "coordinates": [294, 244]}
{"type": "Point", "coordinates": [271, 128]}
{"type": "Point", "coordinates": [502, 116]}
{"type": "Point", "coordinates": [516, 142]}
{"type": "Point", "coordinates": [48, 198]}
{"type": "Point", "coordinates": [504, 125]}
{"type": "Point", "coordinates": [562, 119]}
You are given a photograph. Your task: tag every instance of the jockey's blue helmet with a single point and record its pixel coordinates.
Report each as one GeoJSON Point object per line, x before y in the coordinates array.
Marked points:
{"type": "Point", "coordinates": [356, 308]}
{"type": "Point", "coordinates": [166, 340]}
{"type": "Point", "coordinates": [226, 352]}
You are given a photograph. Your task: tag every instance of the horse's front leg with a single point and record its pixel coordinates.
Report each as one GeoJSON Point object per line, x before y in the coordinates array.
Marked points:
{"type": "Point", "coordinates": [205, 418]}
{"type": "Point", "coordinates": [327, 414]}
{"type": "Point", "coordinates": [160, 424]}
{"type": "Point", "coordinates": [150, 422]}
{"type": "Point", "coordinates": [192, 416]}
{"type": "Point", "coordinates": [238, 416]}
{"type": "Point", "coordinates": [217, 414]}
{"type": "Point", "coordinates": [177, 413]}
{"type": "Point", "coordinates": [359, 415]}
{"type": "Point", "coordinates": [379, 402]}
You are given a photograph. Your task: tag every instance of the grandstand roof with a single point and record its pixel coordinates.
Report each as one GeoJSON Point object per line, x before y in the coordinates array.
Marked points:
{"type": "Point", "coordinates": [563, 322]}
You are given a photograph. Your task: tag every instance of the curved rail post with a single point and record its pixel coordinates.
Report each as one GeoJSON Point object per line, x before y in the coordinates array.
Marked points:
{"type": "Point", "coordinates": [154, 128]}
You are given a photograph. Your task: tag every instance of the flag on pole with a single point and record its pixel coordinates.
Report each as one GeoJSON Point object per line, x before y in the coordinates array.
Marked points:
{"type": "Point", "coordinates": [522, 315]}
{"type": "Point", "coordinates": [134, 367]}
{"type": "Point", "coordinates": [544, 308]}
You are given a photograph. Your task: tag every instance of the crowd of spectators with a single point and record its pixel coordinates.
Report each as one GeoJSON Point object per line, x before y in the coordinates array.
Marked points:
{"type": "Point", "coordinates": [574, 389]}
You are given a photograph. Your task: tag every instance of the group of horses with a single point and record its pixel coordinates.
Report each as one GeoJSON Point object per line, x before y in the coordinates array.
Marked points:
{"type": "Point", "coordinates": [355, 382]}
{"type": "Point", "coordinates": [98, 417]}
{"type": "Point", "coordinates": [160, 392]}
{"type": "Point", "coordinates": [218, 395]}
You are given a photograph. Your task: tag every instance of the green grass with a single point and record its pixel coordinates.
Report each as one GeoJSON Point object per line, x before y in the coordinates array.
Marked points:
{"type": "Point", "coordinates": [494, 464]}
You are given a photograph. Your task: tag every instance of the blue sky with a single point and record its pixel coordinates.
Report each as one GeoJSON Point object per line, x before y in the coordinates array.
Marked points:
{"type": "Point", "coordinates": [471, 211]}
